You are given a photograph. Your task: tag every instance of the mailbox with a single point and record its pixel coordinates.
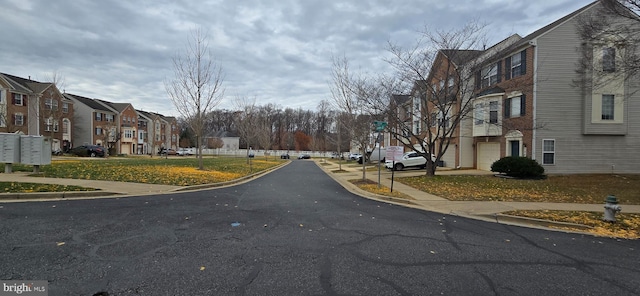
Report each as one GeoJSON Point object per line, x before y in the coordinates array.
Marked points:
{"type": "Point", "coordinates": [35, 150]}
{"type": "Point", "coordinates": [10, 145]}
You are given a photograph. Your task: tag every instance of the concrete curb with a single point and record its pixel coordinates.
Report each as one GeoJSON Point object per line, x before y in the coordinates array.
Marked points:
{"type": "Point", "coordinates": [509, 219]}
{"type": "Point", "coordinates": [56, 195]}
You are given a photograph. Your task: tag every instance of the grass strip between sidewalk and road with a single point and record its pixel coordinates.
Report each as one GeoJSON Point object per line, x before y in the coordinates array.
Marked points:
{"type": "Point", "coordinates": [627, 225]}
{"type": "Point", "coordinates": [372, 186]}
{"type": "Point", "coordinates": [15, 187]}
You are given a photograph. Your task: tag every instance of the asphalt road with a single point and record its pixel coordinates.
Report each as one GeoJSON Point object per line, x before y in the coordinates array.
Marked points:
{"type": "Point", "coordinates": [296, 232]}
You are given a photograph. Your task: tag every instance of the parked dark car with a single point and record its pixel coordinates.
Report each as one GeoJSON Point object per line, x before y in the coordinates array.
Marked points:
{"type": "Point", "coordinates": [304, 156]}
{"type": "Point", "coordinates": [88, 150]}
{"type": "Point", "coordinates": [284, 156]}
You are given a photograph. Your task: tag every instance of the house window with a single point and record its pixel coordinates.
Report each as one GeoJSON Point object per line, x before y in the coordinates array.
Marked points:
{"type": "Point", "coordinates": [515, 65]}
{"type": "Point", "coordinates": [48, 103]}
{"type": "Point", "coordinates": [443, 121]}
{"type": "Point", "coordinates": [65, 126]}
{"type": "Point", "coordinates": [55, 105]}
{"type": "Point", "coordinates": [416, 127]}
{"type": "Point", "coordinates": [608, 106]}
{"type": "Point", "coordinates": [109, 117]}
{"type": "Point", "coordinates": [128, 134]}
{"type": "Point", "coordinates": [48, 124]}
{"type": "Point", "coordinates": [2, 95]}
{"type": "Point", "coordinates": [18, 100]}
{"type": "Point", "coordinates": [98, 131]}
{"type": "Point", "coordinates": [515, 107]}
{"type": "Point", "coordinates": [548, 151]}
{"type": "Point", "coordinates": [98, 116]}
{"type": "Point", "coordinates": [56, 126]}
{"type": "Point", "coordinates": [65, 107]}
{"type": "Point", "coordinates": [3, 123]}
{"type": "Point", "coordinates": [609, 59]}
{"type": "Point", "coordinates": [18, 119]}
{"type": "Point", "coordinates": [493, 112]}
{"type": "Point", "coordinates": [489, 76]}
{"type": "Point", "coordinates": [478, 114]}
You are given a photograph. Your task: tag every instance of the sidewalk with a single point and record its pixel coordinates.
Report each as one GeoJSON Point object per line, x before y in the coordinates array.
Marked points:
{"type": "Point", "coordinates": [483, 210]}
{"type": "Point", "coordinates": [106, 188]}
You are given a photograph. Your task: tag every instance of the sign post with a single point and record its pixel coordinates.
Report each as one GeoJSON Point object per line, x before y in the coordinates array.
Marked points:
{"type": "Point", "coordinates": [380, 125]}
{"type": "Point", "coordinates": [393, 153]}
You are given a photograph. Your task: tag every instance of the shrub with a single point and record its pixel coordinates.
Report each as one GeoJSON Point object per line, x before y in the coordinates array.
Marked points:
{"type": "Point", "coordinates": [518, 167]}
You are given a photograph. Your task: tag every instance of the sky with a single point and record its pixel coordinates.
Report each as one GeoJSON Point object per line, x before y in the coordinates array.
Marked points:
{"type": "Point", "coordinates": [277, 52]}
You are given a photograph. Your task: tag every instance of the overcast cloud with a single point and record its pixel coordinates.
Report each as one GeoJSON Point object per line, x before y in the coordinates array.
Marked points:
{"type": "Point", "coordinates": [276, 51]}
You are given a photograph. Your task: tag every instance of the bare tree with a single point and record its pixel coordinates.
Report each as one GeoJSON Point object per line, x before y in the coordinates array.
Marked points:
{"type": "Point", "coordinates": [245, 121]}
{"type": "Point", "coordinates": [214, 143]}
{"type": "Point", "coordinates": [196, 88]}
{"type": "Point", "coordinates": [438, 75]}
{"type": "Point", "coordinates": [610, 35]}
{"type": "Point", "coordinates": [344, 98]}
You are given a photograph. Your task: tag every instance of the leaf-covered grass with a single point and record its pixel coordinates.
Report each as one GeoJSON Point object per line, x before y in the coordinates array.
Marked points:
{"type": "Point", "coordinates": [172, 171]}
{"type": "Point", "coordinates": [564, 189]}
{"type": "Point", "coordinates": [17, 187]}
{"type": "Point", "coordinates": [627, 225]}
{"type": "Point", "coordinates": [372, 186]}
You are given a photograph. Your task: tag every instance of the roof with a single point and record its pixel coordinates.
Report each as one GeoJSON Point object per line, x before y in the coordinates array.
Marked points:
{"type": "Point", "coordinates": [461, 56]}
{"type": "Point", "coordinates": [91, 103]}
{"type": "Point", "coordinates": [19, 83]}
{"type": "Point", "coordinates": [222, 134]}
{"type": "Point", "coordinates": [400, 99]}
{"type": "Point", "coordinates": [119, 107]}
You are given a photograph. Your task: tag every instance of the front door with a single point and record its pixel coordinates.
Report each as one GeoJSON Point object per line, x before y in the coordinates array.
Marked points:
{"type": "Point", "coordinates": [515, 148]}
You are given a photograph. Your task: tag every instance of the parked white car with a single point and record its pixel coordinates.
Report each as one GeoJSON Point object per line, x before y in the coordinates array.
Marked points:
{"type": "Point", "coordinates": [409, 159]}
{"type": "Point", "coordinates": [183, 152]}
{"type": "Point", "coordinates": [354, 156]}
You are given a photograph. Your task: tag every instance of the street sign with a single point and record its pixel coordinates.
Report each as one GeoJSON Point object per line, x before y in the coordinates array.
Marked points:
{"type": "Point", "coordinates": [394, 152]}
{"type": "Point", "coordinates": [380, 125]}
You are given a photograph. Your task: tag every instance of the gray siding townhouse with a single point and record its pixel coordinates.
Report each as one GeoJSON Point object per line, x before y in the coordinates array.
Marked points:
{"type": "Point", "coordinates": [535, 99]}
{"type": "Point", "coordinates": [94, 122]}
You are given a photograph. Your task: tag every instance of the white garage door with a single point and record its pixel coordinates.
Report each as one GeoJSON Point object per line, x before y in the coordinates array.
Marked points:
{"type": "Point", "coordinates": [488, 153]}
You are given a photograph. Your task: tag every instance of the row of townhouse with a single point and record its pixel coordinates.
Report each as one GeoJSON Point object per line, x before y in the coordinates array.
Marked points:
{"type": "Point", "coordinates": [532, 96]}
{"type": "Point", "coordinates": [38, 108]}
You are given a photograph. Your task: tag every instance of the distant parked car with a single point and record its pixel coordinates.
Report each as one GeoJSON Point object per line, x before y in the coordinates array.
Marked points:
{"type": "Point", "coordinates": [284, 156]}
{"type": "Point", "coordinates": [166, 151]}
{"type": "Point", "coordinates": [88, 150]}
{"type": "Point", "coordinates": [355, 156]}
{"type": "Point", "coordinates": [337, 155]}
{"type": "Point", "coordinates": [304, 156]}
{"type": "Point", "coordinates": [183, 152]}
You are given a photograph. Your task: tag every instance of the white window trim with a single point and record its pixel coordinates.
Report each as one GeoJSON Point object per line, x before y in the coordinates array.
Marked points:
{"type": "Point", "coordinates": [15, 116]}
{"type": "Point", "coordinates": [551, 152]}
{"type": "Point", "coordinates": [511, 99]}
{"type": "Point", "coordinates": [21, 99]}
